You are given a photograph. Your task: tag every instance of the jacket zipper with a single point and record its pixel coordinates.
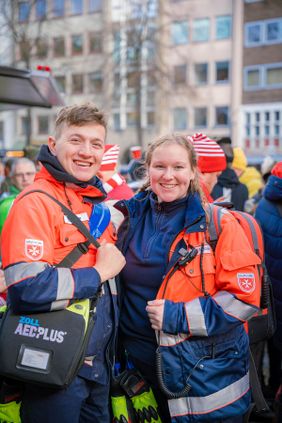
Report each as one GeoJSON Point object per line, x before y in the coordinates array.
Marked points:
{"type": "Point", "coordinates": [153, 237]}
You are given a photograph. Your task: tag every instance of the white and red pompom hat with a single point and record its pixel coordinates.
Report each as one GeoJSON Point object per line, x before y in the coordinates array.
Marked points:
{"type": "Point", "coordinates": [110, 157]}
{"type": "Point", "coordinates": [211, 157]}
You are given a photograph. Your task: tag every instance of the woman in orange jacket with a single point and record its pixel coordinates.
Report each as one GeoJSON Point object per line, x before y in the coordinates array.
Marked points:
{"type": "Point", "coordinates": [182, 302]}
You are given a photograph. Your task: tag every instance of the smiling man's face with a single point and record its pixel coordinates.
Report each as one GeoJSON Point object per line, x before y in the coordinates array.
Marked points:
{"type": "Point", "coordinates": [79, 149]}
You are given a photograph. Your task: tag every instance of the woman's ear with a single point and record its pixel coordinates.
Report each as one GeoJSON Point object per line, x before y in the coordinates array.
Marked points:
{"type": "Point", "coordinates": [52, 145]}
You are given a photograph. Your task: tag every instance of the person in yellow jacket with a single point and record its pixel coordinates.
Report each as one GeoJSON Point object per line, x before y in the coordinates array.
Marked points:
{"type": "Point", "coordinates": [248, 175]}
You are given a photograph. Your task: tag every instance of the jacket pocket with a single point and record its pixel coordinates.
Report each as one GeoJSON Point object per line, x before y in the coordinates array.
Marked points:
{"type": "Point", "coordinates": [69, 235]}
{"type": "Point", "coordinates": [239, 259]}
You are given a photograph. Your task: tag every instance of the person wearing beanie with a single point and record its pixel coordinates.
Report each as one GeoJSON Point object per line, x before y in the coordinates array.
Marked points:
{"type": "Point", "coordinates": [269, 215]}
{"type": "Point", "coordinates": [248, 175]}
{"type": "Point", "coordinates": [226, 145]}
{"type": "Point", "coordinates": [228, 185]}
{"type": "Point", "coordinates": [240, 162]}
{"type": "Point", "coordinates": [113, 183]}
{"type": "Point", "coordinates": [211, 162]}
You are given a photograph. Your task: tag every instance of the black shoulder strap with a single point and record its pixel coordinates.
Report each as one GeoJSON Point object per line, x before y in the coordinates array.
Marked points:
{"type": "Point", "coordinates": [82, 247]}
{"type": "Point", "coordinates": [257, 394]}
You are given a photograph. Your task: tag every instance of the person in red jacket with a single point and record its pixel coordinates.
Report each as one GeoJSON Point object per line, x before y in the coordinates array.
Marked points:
{"type": "Point", "coordinates": [37, 236]}
{"type": "Point", "coordinates": [113, 183]}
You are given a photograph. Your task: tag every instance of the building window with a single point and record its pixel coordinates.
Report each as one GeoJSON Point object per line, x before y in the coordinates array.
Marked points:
{"type": "Point", "coordinates": [180, 74]}
{"type": "Point", "coordinates": [59, 46]}
{"type": "Point", "coordinates": [23, 11]}
{"type": "Point", "coordinates": [222, 72]}
{"type": "Point", "coordinates": [77, 83]}
{"type": "Point", "coordinates": [131, 99]}
{"type": "Point", "coordinates": [221, 116]}
{"type": "Point", "coordinates": [263, 32]}
{"type": "Point", "coordinates": [131, 118]}
{"type": "Point", "coordinates": [273, 31]}
{"type": "Point", "coordinates": [201, 29]}
{"type": "Point", "coordinates": [76, 7]}
{"type": "Point", "coordinates": [252, 77]}
{"type": "Point", "coordinates": [25, 125]}
{"type": "Point", "coordinates": [133, 50]}
{"type": "Point", "coordinates": [179, 118]}
{"type": "Point", "coordinates": [201, 117]}
{"type": "Point", "coordinates": [253, 34]}
{"type": "Point", "coordinates": [95, 82]}
{"type": "Point", "coordinates": [43, 125]}
{"type": "Point", "coordinates": [179, 33]}
{"type": "Point", "coordinates": [150, 98]}
{"type": "Point", "coordinates": [268, 76]}
{"type": "Point", "coordinates": [201, 73]}
{"type": "Point", "coordinates": [116, 118]}
{"type": "Point", "coordinates": [40, 9]}
{"type": "Point", "coordinates": [77, 44]}
{"type": "Point", "coordinates": [95, 6]}
{"type": "Point", "coordinates": [273, 76]}
{"type": "Point", "coordinates": [95, 42]}
{"type": "Point", "coordinates": [58, 8]}
{"type": "Point", "coordinates": [150, 118]}
{"type": "Point", "coordinates": [61, 83]}
{"type": "Point", "coordinates": [223, 27]}
{"type": "Point", "coordinates": [132, 79]}
{"type": "Point", "coordinates": [117, 47]}
{"type": "Point", "coordinates": [41, 49]}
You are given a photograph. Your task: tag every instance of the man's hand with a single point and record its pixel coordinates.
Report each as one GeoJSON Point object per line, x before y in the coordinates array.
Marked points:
{"type": "Point", "coordinates": [109, 261]}
{"type": "Point", "coordinates": [3, 286]}
{"type": "Point", "coordinates": [155, 310]}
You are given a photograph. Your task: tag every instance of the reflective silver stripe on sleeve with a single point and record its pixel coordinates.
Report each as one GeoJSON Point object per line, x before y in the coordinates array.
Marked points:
{"type": "Point", "coordinates": [209, 403]}
{"type": "Point", "coordinates": [65, 287]}
{"type": "Point", "coordinates": [196, 318]}
{"type": "Point", "coordinates": [166, 340]}
{"type": "Point", "coordinates": [22, 271]}
{"type": "Point", "coordinates": [236, 308]}
{"type": "Point", "coordinates": [59, 305]}
{"type": "Point", "coordinates": [113, 286]}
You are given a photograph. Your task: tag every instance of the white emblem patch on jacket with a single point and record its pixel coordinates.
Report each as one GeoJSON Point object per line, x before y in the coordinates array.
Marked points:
{"type": "Point", "coordinates": [33, 248]}
{"type": "Point", "coordinates": [246, 282]}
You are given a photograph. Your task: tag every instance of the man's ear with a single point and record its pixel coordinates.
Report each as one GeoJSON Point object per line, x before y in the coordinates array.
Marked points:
{"type": "Point", "coordinates": [52, 145]}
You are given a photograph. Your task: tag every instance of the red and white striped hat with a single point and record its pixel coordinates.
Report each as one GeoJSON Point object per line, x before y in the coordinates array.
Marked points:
{"type": "Point", "coordinates": [211, 157]}
{"type": "Point", "coordinates": [110, 157]}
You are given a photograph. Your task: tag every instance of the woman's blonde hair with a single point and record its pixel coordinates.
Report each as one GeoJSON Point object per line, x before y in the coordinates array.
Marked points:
{"type": "Point", "coordinates": [184, 142]}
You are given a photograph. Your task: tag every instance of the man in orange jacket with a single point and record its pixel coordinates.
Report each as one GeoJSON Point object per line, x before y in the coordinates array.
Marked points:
{"type": "Point", "coordinates": [37, 236]}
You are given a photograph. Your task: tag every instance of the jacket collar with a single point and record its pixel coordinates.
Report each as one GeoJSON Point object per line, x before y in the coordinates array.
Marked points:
{"type": "Point", "coordinates": [90, 192]}
{"type": "Point", "coordinates": [195, 218]}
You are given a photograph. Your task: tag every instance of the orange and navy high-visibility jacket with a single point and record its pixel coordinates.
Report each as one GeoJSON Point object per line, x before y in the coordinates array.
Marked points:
{"type": "Point", "coordinates": [203, 343]}
{"type": "Point", "coordinates": [37, 236]}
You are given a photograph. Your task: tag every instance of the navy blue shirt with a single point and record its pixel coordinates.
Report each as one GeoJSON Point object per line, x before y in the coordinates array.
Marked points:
{"type": "Point", "coordinates": [146, 262]}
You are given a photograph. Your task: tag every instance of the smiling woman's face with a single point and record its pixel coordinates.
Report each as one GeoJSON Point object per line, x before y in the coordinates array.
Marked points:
{"type": "Point", "coordinates": [170, 172]}
{"type": "Point", "coordinates": [79, 149]}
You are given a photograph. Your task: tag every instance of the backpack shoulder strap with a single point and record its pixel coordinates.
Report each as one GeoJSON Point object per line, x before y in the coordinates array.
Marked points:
{"type": "Point", "coordinates": [215, 214]}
